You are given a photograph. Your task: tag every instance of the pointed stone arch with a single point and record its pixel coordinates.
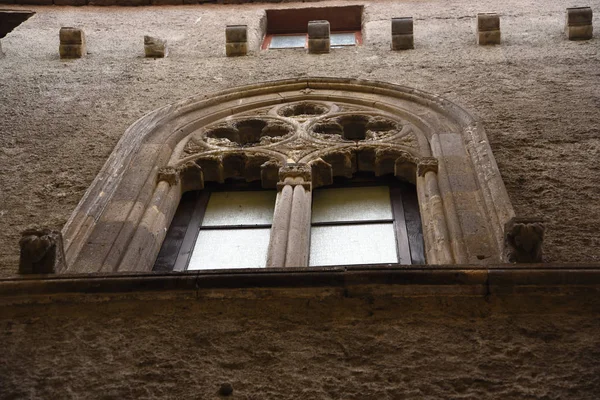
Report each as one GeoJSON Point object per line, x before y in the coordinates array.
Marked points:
{"type": "Point", "coordinates": [294, 132]}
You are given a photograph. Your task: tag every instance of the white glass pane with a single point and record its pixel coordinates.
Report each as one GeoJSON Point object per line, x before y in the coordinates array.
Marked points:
{"type": "Point", "coordinates": [235, 248]}
{"type": "Point", "coordinates": [342, 39]}
{"type": "Point", "coordinates": [288, 41]}
{"type": "Point", "coordinates": [240, 208]}
{"type": "Point", "coordinates": [351, 204]}
{"type": "Point", "coordinates": [352, 244]}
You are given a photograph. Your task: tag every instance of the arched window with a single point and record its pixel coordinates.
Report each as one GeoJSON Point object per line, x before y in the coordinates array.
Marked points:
{"type": "Point", "coordinates": [294, 137]}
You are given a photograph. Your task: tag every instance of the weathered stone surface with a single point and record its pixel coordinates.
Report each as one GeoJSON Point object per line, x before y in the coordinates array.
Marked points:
{"type": "Point", "coordinates": [70, 2]}
{"type": "Point", "coordinates": [524, 239]}
{"type": "Point", "coordinates": [402, 26]}
{"type": "Point", "coordinates": [303, 343]}
{"type": "Point", "coordinates": [236, 33]}
{"type": "Point", "coordinates": [236, 40]}
{"type": "Point", "coordinates": [318, 46]}
{"type": "Point", "coordinates": [578, 24]}
{"type": "Point", "coordinates": [318, 29]}
{"type": "Point", "coordinates": [41, 252]}
{"type": "Point", "coordinates": [403, 42]}
{"type": "Point", "coordinates": [155, 47]}
{"type": "Point", "coordinates": [72, 43]}
{"type": "Point", "coordinates": [236, 49]}
{"type": "Point", "coordinates": [488, 29]}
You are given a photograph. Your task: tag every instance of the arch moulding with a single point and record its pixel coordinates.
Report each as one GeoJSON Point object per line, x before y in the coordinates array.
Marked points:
{"type": "Point", "coordinates": [294, 135]}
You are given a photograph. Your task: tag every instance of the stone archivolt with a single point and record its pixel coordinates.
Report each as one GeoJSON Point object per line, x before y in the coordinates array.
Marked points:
{"type": "Point", "coordinates": [294, 135]}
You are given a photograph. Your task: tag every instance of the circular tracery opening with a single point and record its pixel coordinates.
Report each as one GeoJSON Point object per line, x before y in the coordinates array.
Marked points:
{"type": "Point", "coordinates": [248, 132]}
{"type": "Point", "coordinates": [303, 109]}
{"type": "Point", "coordinates": [356, 127]}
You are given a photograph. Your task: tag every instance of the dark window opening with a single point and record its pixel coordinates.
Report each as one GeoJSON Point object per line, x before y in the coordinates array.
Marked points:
{"type": "Point", "coordinates": [287, 28]}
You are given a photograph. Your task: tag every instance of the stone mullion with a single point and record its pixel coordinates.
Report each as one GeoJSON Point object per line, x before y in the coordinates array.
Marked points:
{"type": "Point", "coordinates": [280, 227]}
{"type": "Point", "coordinates": [290, 232]}
{"type": "Point", "coordinates": [299, 235]}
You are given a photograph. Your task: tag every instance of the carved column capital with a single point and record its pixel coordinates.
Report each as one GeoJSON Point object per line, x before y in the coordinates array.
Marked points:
{"type": "Point", "coordinates": [427, 164]}
{"type": "Point", "coordinates": [169, 175]}
{"type": "Point", "coordinates": [295, 174]}
{"type": "Point", "coordinates": [41, 251]}
{"type": "Point", "coordinates": [523, 239]}
{"type": "Point", "coordinates": [189, 175]}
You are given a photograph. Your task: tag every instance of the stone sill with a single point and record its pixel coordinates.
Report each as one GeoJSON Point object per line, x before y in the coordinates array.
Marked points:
{"type": "Point", "coordinates": [393, 280]}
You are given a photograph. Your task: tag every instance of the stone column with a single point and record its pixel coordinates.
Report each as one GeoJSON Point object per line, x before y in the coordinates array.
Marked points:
{"type": "Point", "coordinates": [152, 229]}
{"type": "Point", "coordinates": [290, 232]}
{"type": "Point", "coordinates": [435, 229]}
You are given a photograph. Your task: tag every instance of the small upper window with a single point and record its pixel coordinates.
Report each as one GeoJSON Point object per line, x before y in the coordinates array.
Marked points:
{"type": "Point", "coordinates": [287, 29]}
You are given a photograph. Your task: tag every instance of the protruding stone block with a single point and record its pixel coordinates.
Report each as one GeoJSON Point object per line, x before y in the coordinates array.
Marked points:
{"type": "Point", "coordinates": [318, 37]}
{"type": "Point", "coordinates": [523, 239]}
{"type": "Point", "coordinates": [488, 28]}
{"type": "Point", "coordinates": [155, 47]}
{"type": "Point", "coordinates": [578, 25]}
{"type": "Point", "coordinates": [402, 33]}
{"type": "Point", "coordinates": [72, 42]}
{"type": "Point", "coordinates": [41, 252]}
{"type": "Point", "coordinates": [236, 40]}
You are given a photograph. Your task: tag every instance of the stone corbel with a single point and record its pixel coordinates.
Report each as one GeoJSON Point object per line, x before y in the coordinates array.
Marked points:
{"type": "Point", "coordinates": [427, 164]}
{"type": "Point", "coordinates": [294, 174]}
{"type": "Point", "coordinates": [322, 173]}
{"type": "Point", "coordinates": [269, 174]}
{"type": "Point", "coordinates": [523, 239]}
{"type": "Point", "coordinates": [189, 175]}
{"type": "Point", "coordinates": [41, 251]}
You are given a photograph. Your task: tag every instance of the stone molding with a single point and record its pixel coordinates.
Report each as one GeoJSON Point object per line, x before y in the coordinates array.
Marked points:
{"type": "Point", "coordinates": [121, 221]}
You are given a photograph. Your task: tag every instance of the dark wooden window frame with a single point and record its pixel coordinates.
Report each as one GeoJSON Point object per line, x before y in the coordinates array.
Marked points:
{"type": "Point", "coordinates": [186, 225]}
{"type": "Point", "coordinates": [182, 234]}
{"type": "Point", "coordinates": [406, 217]}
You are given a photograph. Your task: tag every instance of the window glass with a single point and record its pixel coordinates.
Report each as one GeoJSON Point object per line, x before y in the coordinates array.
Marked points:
{"type": "Point", "coordinates": [288, 41]}
{"type": "Point", "coordinates": [239, 208]}
{"type": "Point", "coordinates": [230, 248]}
{"type": "Point", "coordinates": [353, 244]}
{"type": "Point", "coordinates": [342, 39]}
{"type": "Point", "coordinates": [352, 204]}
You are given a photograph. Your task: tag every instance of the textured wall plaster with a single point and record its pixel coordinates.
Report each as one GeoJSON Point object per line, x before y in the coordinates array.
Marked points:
{"type": "Point", "coordinates": [322, 345]}
{"type": "Point", "coordinates": [537, 94]}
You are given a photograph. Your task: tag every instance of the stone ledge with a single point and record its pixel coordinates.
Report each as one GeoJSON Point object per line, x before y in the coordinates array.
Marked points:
{"type": "Point", "coordinates": [428, 280]}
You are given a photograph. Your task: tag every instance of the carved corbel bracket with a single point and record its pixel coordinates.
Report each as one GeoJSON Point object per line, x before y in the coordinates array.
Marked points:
{"type": "Point", "coordinates": [295, 174]}
{"type": "Point", "coordinates": [523, 239]}
{"type": "Point", "coordinates": [427, 164]}
{"type": "Point", "coordinates": [322, 172]}
{"type": "Point", "coordinates": [189, 174]}
{"type": "Point", "coordinates": [269, 173]}
{"type": "Point", "coordinates": [42, 251]}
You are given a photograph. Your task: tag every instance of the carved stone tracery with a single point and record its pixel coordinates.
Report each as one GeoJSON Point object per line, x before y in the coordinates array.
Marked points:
{"type": "Point", "coordinates": [361, 139]}
{"type": "Point", "coordinates": [324, 127]}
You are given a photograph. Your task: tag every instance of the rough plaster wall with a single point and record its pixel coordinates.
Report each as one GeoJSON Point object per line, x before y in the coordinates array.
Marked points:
{"type": "Point", "coordinates": [320, 348]}
{"type": "Point", "coordinates": [537, 94]}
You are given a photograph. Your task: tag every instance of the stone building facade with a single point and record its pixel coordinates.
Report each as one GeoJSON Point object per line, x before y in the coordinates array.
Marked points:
{"type": "Point", "coordinates": [105, 126]}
